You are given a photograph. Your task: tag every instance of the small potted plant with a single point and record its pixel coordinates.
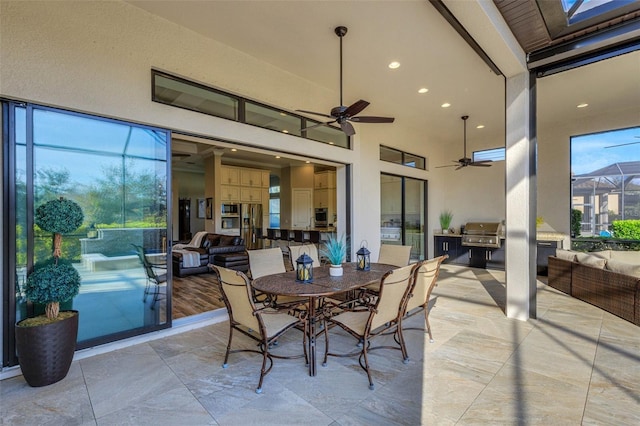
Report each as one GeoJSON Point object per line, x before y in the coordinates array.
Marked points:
{"type": "Point", "coordinates": [46, 343]}
{"type": "Point", "coordinates": [445, 220]}
{"type": "Point", "coordinates": [335, 250]}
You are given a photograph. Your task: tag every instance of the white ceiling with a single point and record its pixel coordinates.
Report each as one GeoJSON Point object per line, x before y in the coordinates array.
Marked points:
{"type": "Point", "coordinates": [298, 36]}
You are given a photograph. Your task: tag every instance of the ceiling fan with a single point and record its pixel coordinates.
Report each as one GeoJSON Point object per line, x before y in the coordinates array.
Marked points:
{"type": "Point", "coordinates": [466, 161]}
{"type": "Point", "coordinates": [342, 114]}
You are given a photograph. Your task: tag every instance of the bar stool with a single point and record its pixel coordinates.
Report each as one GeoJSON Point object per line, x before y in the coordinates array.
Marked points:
{"type": "Point", "coordinates": [271, 236]}
{"type": "Point", "coordinates": [298, 236]}
{"type": "Point", "coordinates": [284, 236]}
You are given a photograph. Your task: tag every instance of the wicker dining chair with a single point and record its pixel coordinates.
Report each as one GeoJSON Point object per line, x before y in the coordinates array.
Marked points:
{"type": "Point", "coordinates": [265, 325]}
{"type": "Point", "coordinates": [379, 316]}
{"type": "Point", "coordinates": [425, 280]}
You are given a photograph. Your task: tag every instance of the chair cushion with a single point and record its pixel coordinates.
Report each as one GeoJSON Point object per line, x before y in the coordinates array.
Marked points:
{"type": "Point", "coordinates": [356, 321]}
{"type": "Point", "coordinates": [605, 254]}
{"type": "Point", "coordinates": [626, 256]}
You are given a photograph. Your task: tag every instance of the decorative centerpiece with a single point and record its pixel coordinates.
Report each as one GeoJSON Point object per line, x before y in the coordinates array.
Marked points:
{"type": "Point", "coordinates": [335, 250]}
{"type": "Point", "coordinates": [363, 262]}
{"type": "Point", "coordinates": [304, 268]}
{"type": "Point", "coordinates": [445, 220]}
{"type": "Point", "coordinates": [45, 344]}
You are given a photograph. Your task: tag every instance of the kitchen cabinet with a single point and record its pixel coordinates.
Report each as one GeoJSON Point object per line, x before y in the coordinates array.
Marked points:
{"type": "Point", "coordinates": [477, 257]}
{"type": "Point", "coordinates": [251, 177]}
{"type": "Point", "coordinates": [229, 193]}
{"type": "Point", "coordinates": [390, 198]}
{"type": "Point", "coordinates": [230, 175]}
{"type": "Point", "coordinates": [544, 250]}
{"type": "Point", "coordinates": [266, 179]}
{"type": "Point", "coordinates": [326, 179]}
{"type": "Point", "coordinates": [452, 246]}
{"type": "Point", "coordinates": [250, 195]}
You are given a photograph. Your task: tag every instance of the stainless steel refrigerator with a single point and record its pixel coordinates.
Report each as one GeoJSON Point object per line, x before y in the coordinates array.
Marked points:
{"type": "Point", "coordinates": [251, 225]}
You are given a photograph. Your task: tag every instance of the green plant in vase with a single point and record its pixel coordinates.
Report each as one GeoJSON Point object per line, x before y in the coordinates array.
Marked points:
{"type": "Point", "coordinates": [46, 343]}
{"type": "Point", "coordinates": [445, 220]}
{"type": "Point", "coordinates": [335, 250]}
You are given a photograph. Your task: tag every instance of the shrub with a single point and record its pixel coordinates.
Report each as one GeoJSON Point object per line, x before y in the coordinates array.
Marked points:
{"type": "Point", "coordinates": [52, 281]}
{"type": "Point", "coordinates": [576, 222]}
{"type": "Point", "coordinates": [626, 229]}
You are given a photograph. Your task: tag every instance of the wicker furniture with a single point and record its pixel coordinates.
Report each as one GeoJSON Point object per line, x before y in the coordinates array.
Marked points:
{"type": "Point", "coordinates": [614, 292]}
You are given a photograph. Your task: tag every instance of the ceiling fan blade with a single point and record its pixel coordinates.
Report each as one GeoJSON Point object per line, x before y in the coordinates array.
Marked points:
{"type": "Point", "coordinates": [480, 164]}
{"type": "Point", "coordinates": [365, 119]}
{"type": "Point", "coordinates": [347, 128]}
{"type": "Point", "coordinates": [355, 108]}
{"type": "Point", "coordinates": [315, 113]}
{"type": "Point", "coordinates": [318, 125]}
{"type": "Point", "coordinates": [460, 166]}
{"type": "Point", "coordinates": [451, 165]}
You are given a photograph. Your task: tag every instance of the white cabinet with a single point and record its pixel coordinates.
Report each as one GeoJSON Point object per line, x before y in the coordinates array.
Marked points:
{"type": "Point", "coordinates": [250, 195]}
{"type": "Point", "coordinates": [326, 179]}
{"type": "Point", "coordinates": [251, 177]}
{"type": "Point", "coordinates": [390, 198]}
{"type": "Point", "coordinates": [229, 193]}
{"type": "Point", "coordinates": [321, 198]}
{"type": "Point", "coordinates": [230, 175]}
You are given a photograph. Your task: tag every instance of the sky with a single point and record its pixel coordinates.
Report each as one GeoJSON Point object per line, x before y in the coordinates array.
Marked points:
{"type": "Point", "coordinates": [588, 152]}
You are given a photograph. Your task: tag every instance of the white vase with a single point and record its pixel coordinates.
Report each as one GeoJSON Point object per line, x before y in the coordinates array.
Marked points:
{"type": "Point", "coordinates": [445, 231]}
{"type": "Point", "coordinates": [335, 270]}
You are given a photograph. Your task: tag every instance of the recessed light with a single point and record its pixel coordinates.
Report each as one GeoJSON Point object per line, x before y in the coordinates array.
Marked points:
{"type": "Point", "coordinates": [233, 150]}
{"type": "Point", "coordinates": [284, 114]}
{"type": "Point", "coordinates": [330, 143]}
{"type": "Point", "coordinates": [583, 105]}
{"type": "Point", "coordinates": [393, 65]}
{"type": "Point", "coordinates": [285, 131]}
{"type": "Point", "coordinates": [445, 105]}
{"type": "Point", "coordinates": [277, 156]}
{"type": "Point", "coordinates": [480, 126]}
{"type": "Point", "coordinates": [307, 161]}
{"type": "Point", "coordinates": [423, 90]}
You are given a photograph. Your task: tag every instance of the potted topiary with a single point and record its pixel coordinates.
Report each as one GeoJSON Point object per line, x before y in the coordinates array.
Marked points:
{"type": "Point", "coordinates": [46, 343]}
{"type": "Point", "coordinates": [445, 220]}
{"type": "Point", "coordinates": [335, 250]}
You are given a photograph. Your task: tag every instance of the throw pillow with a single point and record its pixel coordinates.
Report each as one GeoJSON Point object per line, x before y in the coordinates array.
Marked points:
{"type": "Point", "coordinates": [605, 254]}
{"type": "Point", "coordinates": [624, 268]}
{"type": "Point", "coordinates": [566, 255]}
{"type": "Point", "coordinates": [589, 260]}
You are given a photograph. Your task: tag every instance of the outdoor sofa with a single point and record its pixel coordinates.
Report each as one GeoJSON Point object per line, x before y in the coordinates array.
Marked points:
{"type": "Point", "coordinates": [607, 279]}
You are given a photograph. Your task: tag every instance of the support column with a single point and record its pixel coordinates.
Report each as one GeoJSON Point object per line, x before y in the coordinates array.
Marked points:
{"type": "Point", "coordinates": [520, 198]}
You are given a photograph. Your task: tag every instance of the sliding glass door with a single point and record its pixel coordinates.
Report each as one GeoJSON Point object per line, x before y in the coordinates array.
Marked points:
{"type": "Point", "coordinates": [117, 172]}
{"type": "Point", "coordinates": [403, 213]}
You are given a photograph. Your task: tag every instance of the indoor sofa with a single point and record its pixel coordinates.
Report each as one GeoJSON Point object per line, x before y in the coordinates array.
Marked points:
{"type": "Point", "coordinates": [608, 279]}
{"type": "Point", "coordinates": [211, 245]}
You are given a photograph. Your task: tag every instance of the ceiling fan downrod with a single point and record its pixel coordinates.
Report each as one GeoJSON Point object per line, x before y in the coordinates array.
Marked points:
{"type": "Point", "coordinates": [341, 32]}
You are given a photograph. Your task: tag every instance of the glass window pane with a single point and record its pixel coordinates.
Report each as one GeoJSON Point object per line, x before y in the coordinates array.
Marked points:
{"type": "Point", "coordinates": [272, 119]}
{"type": "Point", "coordinates": [183, 94]}
{"type": "Point", "coordinates": [416, 161]}
{"type": "Point", "coordinates": [391, 155]}
{"type": "Point", "coordinates": [390, 209]}
{"type": "Point", "coordinates": [495, 154]}
{"type": "Point", "coordinates": [327, 134]}
{"type": "Point", "coordinates": [414, 217]}
{"type": "Point", "coordinates": [117, 173]}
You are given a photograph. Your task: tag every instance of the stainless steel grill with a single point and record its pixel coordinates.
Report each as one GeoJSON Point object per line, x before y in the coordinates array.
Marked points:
{"type": "Point", "coordinates": [482, 234]}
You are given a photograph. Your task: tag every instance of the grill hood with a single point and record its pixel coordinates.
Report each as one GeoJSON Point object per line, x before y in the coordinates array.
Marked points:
{"type": "Point", "coordinates": [482, 234]}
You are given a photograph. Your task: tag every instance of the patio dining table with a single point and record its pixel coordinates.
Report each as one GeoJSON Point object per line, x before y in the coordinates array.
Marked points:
{"type": "Point", "coordinates": [323, 285]}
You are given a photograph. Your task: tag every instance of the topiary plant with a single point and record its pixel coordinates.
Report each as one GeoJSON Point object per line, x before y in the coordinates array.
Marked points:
{"type": "Point", "coordinates": [54, 280]}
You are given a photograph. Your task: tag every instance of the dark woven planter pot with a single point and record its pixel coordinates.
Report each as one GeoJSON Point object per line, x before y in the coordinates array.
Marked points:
{"type": "Point", "coordinates": [45, 352]}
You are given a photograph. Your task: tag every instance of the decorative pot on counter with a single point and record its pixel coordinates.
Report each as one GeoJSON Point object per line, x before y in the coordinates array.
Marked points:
{"type": "Point", "coordinates": [335, 270]}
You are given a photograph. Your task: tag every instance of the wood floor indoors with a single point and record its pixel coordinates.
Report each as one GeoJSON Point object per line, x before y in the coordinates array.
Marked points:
{"type": "Point", "coordinates": [195, 294]}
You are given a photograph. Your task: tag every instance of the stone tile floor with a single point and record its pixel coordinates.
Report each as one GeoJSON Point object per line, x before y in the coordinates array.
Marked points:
{"type": "Point", "coordinates": [575, 364]}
